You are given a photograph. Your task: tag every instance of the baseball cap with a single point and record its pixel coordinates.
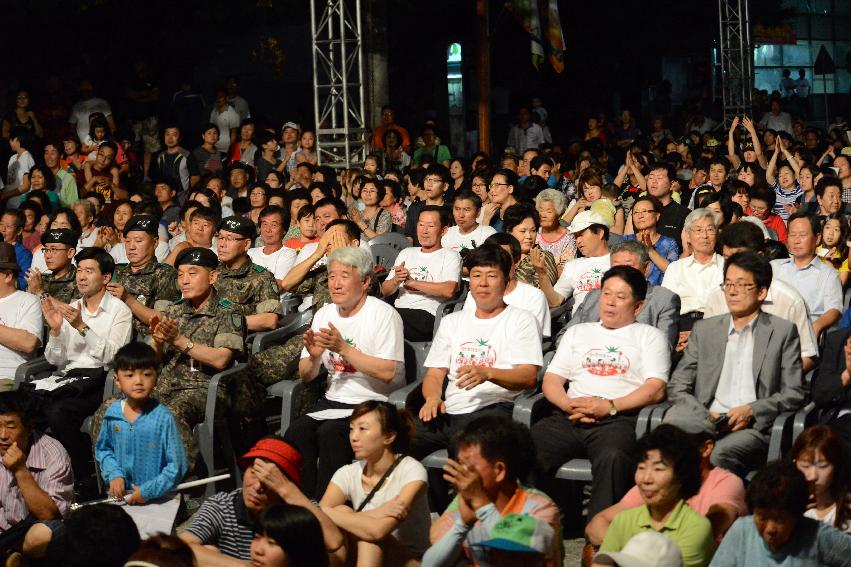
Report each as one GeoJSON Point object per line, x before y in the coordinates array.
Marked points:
{"type": "Point", "coordinates": [585, 219]}
{"type": "Point", "coordinates": [520, 533]}
{"type": "Point", "coordinates": [277, 451]}
{"type": "Point", "coordinates": [292, 125]}
{"type": "Point", "coordinates": [646, 549]}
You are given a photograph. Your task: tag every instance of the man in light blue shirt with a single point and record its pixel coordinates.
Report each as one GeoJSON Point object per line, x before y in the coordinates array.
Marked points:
{"type": "Point", "coordinates": [817, 282]}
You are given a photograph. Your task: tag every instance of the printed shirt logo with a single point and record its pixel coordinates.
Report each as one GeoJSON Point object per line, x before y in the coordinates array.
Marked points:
{"type": "Point", "coordinates": [338, 362]}
{"type": "Point", "coordinates": [476, 353]}
{"type": "Point", "coordinates": [606, 361]}
{"type": "Point", "coordinates": [590, 280]}
{"type": "Point", "coordinates": [421, 274]}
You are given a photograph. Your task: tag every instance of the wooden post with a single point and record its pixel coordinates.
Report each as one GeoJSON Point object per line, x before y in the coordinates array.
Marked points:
{"type": "Point", "coordinates": [484, 76]}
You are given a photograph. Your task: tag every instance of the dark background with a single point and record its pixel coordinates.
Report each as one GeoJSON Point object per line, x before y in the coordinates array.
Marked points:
{"type": "Point", "coordinates": [612, 47]}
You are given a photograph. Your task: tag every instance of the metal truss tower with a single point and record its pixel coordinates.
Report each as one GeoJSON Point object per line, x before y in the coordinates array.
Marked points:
{"type": "Point", "coordinates": [736, 57]}
{"type": "Point", "coordinates": [338, 86]}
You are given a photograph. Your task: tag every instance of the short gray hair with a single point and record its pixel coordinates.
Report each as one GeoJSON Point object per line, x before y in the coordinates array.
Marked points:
{"type": "Point", "coordinates": [354, 256]}
{"type": "Point", "coordinates": [632, 246]}
{"type": "Point", "coordinates": [553, 196]}
{"type": "Point", "coordinates": [88, 205]}
{"type": "Point", "coordinates": [700, 214]}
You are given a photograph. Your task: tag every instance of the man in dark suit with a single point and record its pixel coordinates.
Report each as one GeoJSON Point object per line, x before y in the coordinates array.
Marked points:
{"type": "Point", "coordinates": [831, 393]}
{"type": "Point", "coordinates": [661, 308]}
{"type": "Point", "coordinates": [739, 370]}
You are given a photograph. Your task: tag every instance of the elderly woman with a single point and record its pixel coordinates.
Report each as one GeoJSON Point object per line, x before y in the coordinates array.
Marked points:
{"type": "Point", "coordinates": [662, 249]}
{"type": "Point", "coordinates": [777, 533]}
{"type": "Point", "coordinates": [85, 211]}
{"type": "Point", "coordinates": [668, 473]}
{"type": "Point", "coordinates": [522, 222]}
{"type": "Point", "coordinates": [553, 236]}
{"type": "Point", "coordinates": [362, 364]}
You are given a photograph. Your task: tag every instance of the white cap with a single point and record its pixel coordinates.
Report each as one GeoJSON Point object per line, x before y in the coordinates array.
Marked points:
{"type": "Point", "coordinates": [585, 219]}
{"type": "Point", "coordinates": [647, 549]}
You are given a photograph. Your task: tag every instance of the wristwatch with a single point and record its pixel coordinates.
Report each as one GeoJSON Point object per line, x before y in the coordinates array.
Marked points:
{"type": "Point", "coordinates": [613, 411]}
{"type": "Point", "coordinates": [84, 330]}
{"type": "Point", "coordinates": [189, 346]}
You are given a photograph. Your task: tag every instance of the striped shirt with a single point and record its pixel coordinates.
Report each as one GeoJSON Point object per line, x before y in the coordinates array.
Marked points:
{"type": "Point", "coordinates": [526, 500]}
{"type": "Point", "coordinates": [223, 521]}
{"type": "Point", "coordinates": [50, 467]}
{"type": "Point", "coordinates": [785, 197]}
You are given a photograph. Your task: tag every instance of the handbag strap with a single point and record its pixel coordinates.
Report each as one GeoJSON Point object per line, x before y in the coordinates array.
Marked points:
{"type": "Point", "coordinates": [380, 483]}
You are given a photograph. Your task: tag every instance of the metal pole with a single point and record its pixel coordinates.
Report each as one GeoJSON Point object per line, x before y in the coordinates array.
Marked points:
{"type": "Point", "coordinates": [483, 72]}
{"type": "Point", "coordinates": [316, 116]}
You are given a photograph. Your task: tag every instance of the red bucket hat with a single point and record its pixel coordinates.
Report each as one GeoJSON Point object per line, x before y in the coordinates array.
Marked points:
{"type": "Point", "coordinates": [279, 452]}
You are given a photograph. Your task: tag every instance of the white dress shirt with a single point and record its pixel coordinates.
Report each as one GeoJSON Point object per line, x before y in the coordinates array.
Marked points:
{"type": "Point", "coordinates": [110, 328]}
{"type": "Point", "coordinates": [693, 281]}
{"type": "Point", "coordinates": [783, 301]}
{"type": "Point", "coordinates": [736, 385]}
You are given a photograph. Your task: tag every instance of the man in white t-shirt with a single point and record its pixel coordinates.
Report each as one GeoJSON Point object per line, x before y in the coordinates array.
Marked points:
{"type": "Point", "coordinates": [227, 119]}
{"type": "Point", "coordinates": [467, 233]}
{"type": "Point", "coordinates": [486, 356]}
{"type": "Point", "coordinates": [273, 255]}
{"type": "Point", "coordinates": [20, 317]}
{"type": "Point", "coordinates": [424, 276]}
{"type": "Point", "coordinates": [517, 293]}
{"type": "Point", "coordinates": [613, 368]}
{"type": "Point", "coordinates": [358, 340]}
{"type": "Point", "coordinates": [585, 274]}
{"type": "Point", "coordinates": [85, 107]}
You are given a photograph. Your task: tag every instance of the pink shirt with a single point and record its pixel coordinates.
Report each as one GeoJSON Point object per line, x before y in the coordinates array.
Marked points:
{"type": "Point", "coordinates": [720, 487]}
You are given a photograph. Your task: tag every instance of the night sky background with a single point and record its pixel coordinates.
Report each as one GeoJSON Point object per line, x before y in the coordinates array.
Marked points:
{"type": "Point", "coordinates": [612, 47]}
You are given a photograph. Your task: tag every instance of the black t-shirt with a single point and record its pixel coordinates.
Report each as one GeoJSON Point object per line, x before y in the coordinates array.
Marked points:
{"type": "Point", "coordinates": [671, 221]}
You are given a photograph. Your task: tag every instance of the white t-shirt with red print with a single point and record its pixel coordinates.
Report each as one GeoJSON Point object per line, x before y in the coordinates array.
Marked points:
{"type": "Point", "coordinates": [582, 276]}
{"type": "Point", "coordinates": [376, 330]}
{"type": "Point", "coordinates": [610, 363]}
{"type": "Point", "coordinates": [440, 266]}
{"type": "Point", "coordinates": [513, 337]}
{"type": "Point", "coordinates": [526, 297]}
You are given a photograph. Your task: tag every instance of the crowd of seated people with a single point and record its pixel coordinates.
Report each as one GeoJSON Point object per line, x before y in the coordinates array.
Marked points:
{"type": "Point", "coordinates": [651, 308]}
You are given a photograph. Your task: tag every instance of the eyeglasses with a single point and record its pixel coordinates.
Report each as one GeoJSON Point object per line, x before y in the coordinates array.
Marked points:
{"type": "Point", "coordinates": [479, 185]}
{"type": "Point", "coordinates": [54, 250]}
{"type": "Point", "coordinates": [644, 212]}
{"type": "Point", "coordinates": [433, 180]}
{"type": "Point", "coordinates": [710, 230]}
{"type": "Point", "coordinates": [728, 286]}
{"type": "Point", "coordinates": [492, 185]}
{"type": "Point", "coordinates": [230, 238]}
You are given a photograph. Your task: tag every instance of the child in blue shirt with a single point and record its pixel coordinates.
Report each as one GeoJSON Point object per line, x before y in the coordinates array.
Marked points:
{"type": "Point", "coordinates": [139, 445]}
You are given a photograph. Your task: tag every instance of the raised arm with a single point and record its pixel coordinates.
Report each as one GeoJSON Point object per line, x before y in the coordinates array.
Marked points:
{"type": "Point", "coordinates": [757, 145]}
{"type": "Point", "coordinates": [771, 170]}
{"type": "Point", "coordinates": [731, 144]}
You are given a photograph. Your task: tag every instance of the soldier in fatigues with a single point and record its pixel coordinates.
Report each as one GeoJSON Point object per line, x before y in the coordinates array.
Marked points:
{"type": "Point", "coordinates": [60, 246]}
{"type": "Point", "coordinates": [144, 284]}
{"type": "Point", "coordinates": [250, 286]}
{"type": "Point", "coordinates": [197, 336]}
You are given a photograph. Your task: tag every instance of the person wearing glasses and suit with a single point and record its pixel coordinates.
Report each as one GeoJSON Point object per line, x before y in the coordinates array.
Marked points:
{"type": "Point", "coordinates": [757, 375]}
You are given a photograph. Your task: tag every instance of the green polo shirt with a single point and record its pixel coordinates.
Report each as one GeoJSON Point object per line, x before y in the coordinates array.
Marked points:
{"type": "Point", "coordinates": [689, 530]}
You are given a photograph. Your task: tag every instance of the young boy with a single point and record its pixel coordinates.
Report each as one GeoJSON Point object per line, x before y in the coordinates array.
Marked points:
{"type": "Point", "coordinates": [139, 449]}
{"type": "Point", "coordinates": [307, 226]}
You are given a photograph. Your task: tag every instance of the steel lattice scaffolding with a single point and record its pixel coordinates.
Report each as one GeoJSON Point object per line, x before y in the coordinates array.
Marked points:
{"type": "Point", "coordinates": [736, 57]}
{"type": "Point", "coordinates": [338, 87]}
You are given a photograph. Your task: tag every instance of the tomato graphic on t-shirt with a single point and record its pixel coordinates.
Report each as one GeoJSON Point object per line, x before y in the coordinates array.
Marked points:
{"type": "Point", "coordinates": [338, 362]}
{"type": "Point", "coordinates": [607, 361]}
{"type": "Point", "coordinates": [590, 280]}
{"type": "Point", "coordinates": [421, 274]}
{"type": "Point", "coordinates": [476, 353]}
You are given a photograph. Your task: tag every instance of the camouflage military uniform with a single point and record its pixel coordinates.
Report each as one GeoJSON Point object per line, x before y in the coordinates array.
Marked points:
{"type": "Point", "coordinates": [251, 287]}
{"type": "Point", "coordinates": [63, 289]}
{"type": "Point", "coordinates": [155, 285]}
